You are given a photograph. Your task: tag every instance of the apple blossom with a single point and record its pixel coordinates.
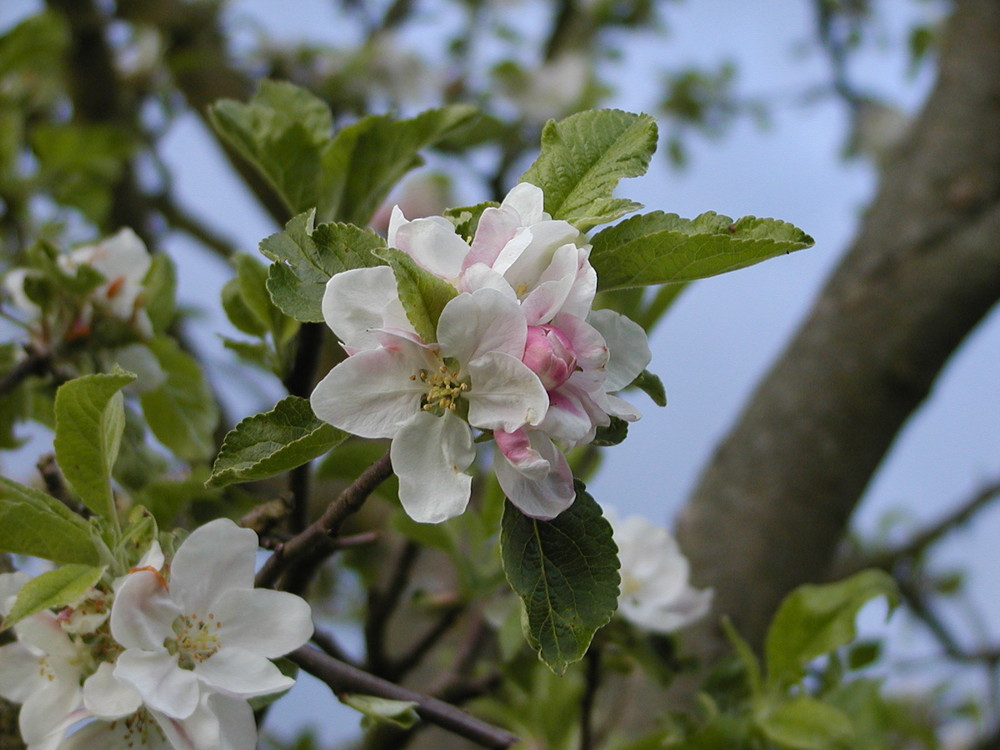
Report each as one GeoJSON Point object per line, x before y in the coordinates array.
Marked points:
{"type": "Point", "coordinates": [203, 627]}
{"type": "Point", "coordinates": [655, 592]}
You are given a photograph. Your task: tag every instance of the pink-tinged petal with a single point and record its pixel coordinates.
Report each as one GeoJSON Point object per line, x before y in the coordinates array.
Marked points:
{"type": "Point", "coordinates": [143, 613]}
{"type": "Point", "coordinates": [571, 417]}
{"type": "Point", "coordinates": [430, 456]}
{"type": "Point", "coordinates": [362, 299]}
{"type": "Point", "coordinates": [216, 557]}
{"type": "Point", "coordinates": [546, 238]}
{"type": "Point", "coordinates": [270, 623]}
{"type": "Point", "coordinates": [581, 295]}
{"type": "Point", "coordinates": [472, 325]}
{"type": "Point", "coordinates": [587, 342]}
{"type": "Point", "coordinates": [495, 229]}
{"type": "Point", "coordinates": [241, 673]}
{"type": "Point", "coordinates": [543, 498]}
{"type": "Point", "coordinates": [44, 712]}
{"type": "Point", "coordinates": [543, 302]}
{"type": "Point", "coordinates": [433, 244]}
{"type": "Point", "coordinates": [512, 250]}
{"type": "Point", "coordinates": [107, 697]}
{"type": "Point", "coordinates": [370, 394]}
{"type": "Point", "coordinates": [527, 201]}
{"type": "Point", "coordinates": [505, 394]}
{"type": "Point", "coordinates": [627, 344]}
{"type": "Point", "coordinates": [516, 448]}
{"type": "Point", "coordinates": [164, 686]}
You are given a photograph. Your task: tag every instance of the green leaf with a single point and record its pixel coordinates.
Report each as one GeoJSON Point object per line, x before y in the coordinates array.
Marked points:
{"type": "Point", "coordinates": [582, 159]}
{"type": "Point", "coordinates": [805, 723]}
{"type": "Point", "coordinates": [613, 434]}
{"type": "Point", "coordinates": [659, 248]}
{"type": "Point", "coordinates": [273, 442]}
{"type": "Point", "coordinates": [33, 523]}
{"type": "Point", "coordinates": [366, 160]}
{"type": "Point", "coordinates": [160, 287]}
{"type": "Point", "coordinates": [382, 710]}
{"type": "Point", "coordinates": [815, 620]}
{"type": "Point", "coordinates": [652, 386]}
{"type": "Point", "coordinates": [305, 258]}
{"type": "Point", "coordinates": [238, 311]}
{"type": "Point", "coordinates": [422, 293]}
{"type": "Point", "coordinates": [55, 588]}
{"type": "Point", "coordinates": [181, 411]}
{"type": "Point", "coordinates": [566, 573]}
{"type": "Point", "coordinates": [90, 419]}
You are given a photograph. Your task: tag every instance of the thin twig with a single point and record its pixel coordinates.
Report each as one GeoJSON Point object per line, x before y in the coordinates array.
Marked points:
{"type": "Point", "coordinates": [36, 363]}
{"type": "Point", "coordinates": [315, 542]}
{"type": "Point", "coordinates": [343, 678]}
{"type": "Point", "coordinates": [330, 646]}
{"type": "Point", "coordinates": [587, 701]}
{"type": "Point", "coordinates": [381, 605]}
{"type": "Point", "coordinates": [420, 649]}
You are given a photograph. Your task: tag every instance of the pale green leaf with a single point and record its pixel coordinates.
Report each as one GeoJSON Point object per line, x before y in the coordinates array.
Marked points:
{"type": "Point", "coordinates": [273, 442]}
{"type": "Point", "coordinates": [816, 619]}
{"type": "Point", "coordinates": [382, 710]}
{"type": "Point", "coordinates": [422, 293]}
{"type": "Point", "coordinates": [181, 411]}
{"type": "Point", "coordinates": [566, 573]}
{"type": "Point", "coordinates": [582, 159]}
{"type": "Point", "coordinates": [160, 287]}
{"type": "Point", "coordinates": [659, 248]}
{"type": "Point", "coordinates": [804, 723]}
{"type": "Point", "coordinates": [33, 523]}
{"type": "Point", "coordinates": [90, 419]}
{"type": "Point", "coordinates": [55, 588]}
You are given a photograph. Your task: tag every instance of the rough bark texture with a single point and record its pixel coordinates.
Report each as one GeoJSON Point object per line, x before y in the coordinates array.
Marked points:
{"type": "Point", "coordinates": [774, 501]}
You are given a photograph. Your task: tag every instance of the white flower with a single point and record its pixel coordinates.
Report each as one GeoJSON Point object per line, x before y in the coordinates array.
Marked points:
{"type": "Point", "coordinates": [655, 592]}
{"type": "Point", "coordinates": [425, 396]}
{"type": "Point", "coordinates": [204, 629]}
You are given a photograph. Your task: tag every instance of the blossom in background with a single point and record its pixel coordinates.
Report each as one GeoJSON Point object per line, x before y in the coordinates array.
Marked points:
{"type": "Point", "coordinates": [203, 632]}
{"type": "Point", "coordinates": [655, 592]}
{"type": "Point", "coordinates": [535, 273]}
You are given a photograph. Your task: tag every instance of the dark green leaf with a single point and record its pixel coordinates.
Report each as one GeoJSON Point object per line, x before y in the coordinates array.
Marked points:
{"type": "Point", "coordinates": [613, 434]}
{"type": "Point", "coordinates": [566, 573]}
{"type": "Point", "coordinates": [582, 159]}
{"type": "Point", "coordinates": [652, 386]}
{"type": "Point", "coordinates": [273, 442]}
{"type": "Point", "coordinates": [659, 248]}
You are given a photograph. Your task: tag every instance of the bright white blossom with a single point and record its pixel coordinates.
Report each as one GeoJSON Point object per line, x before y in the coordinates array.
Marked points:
{"type": "Point", "coordinates": [201, 634]}
{"type": "Point", "coordinates": [526, 289]}
{"type": "Point", "coordinates": [655, 592]}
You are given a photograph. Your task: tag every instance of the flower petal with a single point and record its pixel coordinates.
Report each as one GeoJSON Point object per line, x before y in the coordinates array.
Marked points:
{"type": "Point", "coordinates": [362, 299]}
{"type": "Point", "coordinates": [430, 455]}
{"type": "Point", "coordinates": [485, 321]}
{"type": "Point", "coordinates": [627, 344]}
{"type": "Point", "coordinates": [164, 686]}
{"type": "Point", "coordinates": [143, 613]}
{"type": "Point", "coordinates": [270, 623]}
{"type": "Point", "coordinates": [527, 201]}
{"type": "Point", "coordinates": [107, 697]}
{"type": "Point", "coordinates": [216, 557]}
{"type": "Point", "coordinates": [241, 673]}
{"type": "Point", "coordinates": [45, 710]}
{"type": "Point", "coordinates": [516, 448]}
{"type": "Point", "coordinates": [19, 674]}
{"type": "Point", "coordinates": [543, 498]}
{"type": "Point", "coordinates": [433, 244]}
{"type": "Point", "coordinates": [505, 393]}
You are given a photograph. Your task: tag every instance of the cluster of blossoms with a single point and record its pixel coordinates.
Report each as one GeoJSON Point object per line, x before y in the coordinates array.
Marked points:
{"type": "Point", "coordinates": [519, 353]}
{"type": "Point", "coordinates": [167, 656]}
{"type": "Point", "coordinates": [655, 592]}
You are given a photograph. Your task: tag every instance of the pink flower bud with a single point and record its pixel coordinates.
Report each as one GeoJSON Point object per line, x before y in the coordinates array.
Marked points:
{"type": "Point", "coordinates": [549, 354]}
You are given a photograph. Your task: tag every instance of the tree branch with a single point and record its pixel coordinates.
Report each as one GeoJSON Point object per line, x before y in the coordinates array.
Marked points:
{"type": "Point", "coordinates": [343, 678]}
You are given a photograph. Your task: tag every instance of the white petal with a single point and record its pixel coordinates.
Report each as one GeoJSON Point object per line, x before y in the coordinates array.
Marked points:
{"type": "Point", "coordinates": [43, 632]}
{"type": "Point", "coordinates": [237, 728]}
{"type": "Point", "coordinates": [543, 498]}
{"type": "Point", "coordinates": [546, 238]}
{"type": "Point", "coordinates": [216, 557]}
{"type": "Point", "coordinates": [527, 200]}
{"type": "Point", "coordinates": [45, 710]}
{"type": "Point", "coordinates": [371, 393]}
{"type": "Point", "coordinates": [396, 220]}
{"type": "Point", "coordinates": [19, 673]}
{"type": "Point", "coordinates": [505, 394]}
{"type": "Point", "coordinates": [433, 244]}
{"type": "Point", "coordinates": [549, 292]}
{"type": "Point", "coordinates": [430, 456]}
{"type": "Point", "coordinates": [10, 585]}
{"type": "Point", "coordinates": [485, 321]}
{"type": "Point", "coordinates": [359, 300]}
{"type": "Point", "coordinates": [143, 613]}
{"type": "Point", "coordinates": [107, 697]}
{"type": "Point", "coordinates": [240, 673]}
{"type": "Point", "coordinates": [627, 345]}
{"type": "Point", "coordinates": [270, 623]}
{"type": "Point", "coordinates": [164, 686]}
{"type": "Point", "coordinates": [481, 276]}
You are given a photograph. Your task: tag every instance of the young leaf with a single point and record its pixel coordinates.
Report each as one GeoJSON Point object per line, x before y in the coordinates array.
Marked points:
{"type": "Point", "coordinates": [366, 160]}
{"type": "Point", "coordinates": [33, 523]}
{"type": "Point", "coordinates": [804, 723]}
{"type": "Point", "coordinates": [422, 293]}
{"type": "Point", "coordinates": [652, 386]}
{"type": "Point", "coordinates": [90, 419]}
{"type": "Point", "coordinates": [582, 159]}
{"type": "Point", "coordinates": [181, 411]}
{"type": "Point", "coordinates": [382, 710]}
{"type": "Point", "coordinates": [659, 248]}
{"type": "Point", "coordinates": [566, 573]}
{"type": "Point", "coordinates": [55, 588]}
{"type": "Point", "coordinates": [815, 620]}
{"type": "Point", "coordinates": [305, 258]}
{"type": "Point", "coordinates": [273, 442]}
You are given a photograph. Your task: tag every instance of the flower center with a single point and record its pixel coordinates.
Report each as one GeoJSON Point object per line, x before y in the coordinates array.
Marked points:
{"type": "Point", "coordinates": [444, 389]}
{"type": "Point", "coordinates": [197, 638]}
{"type": "Point", "coordinates": [137, 728]}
